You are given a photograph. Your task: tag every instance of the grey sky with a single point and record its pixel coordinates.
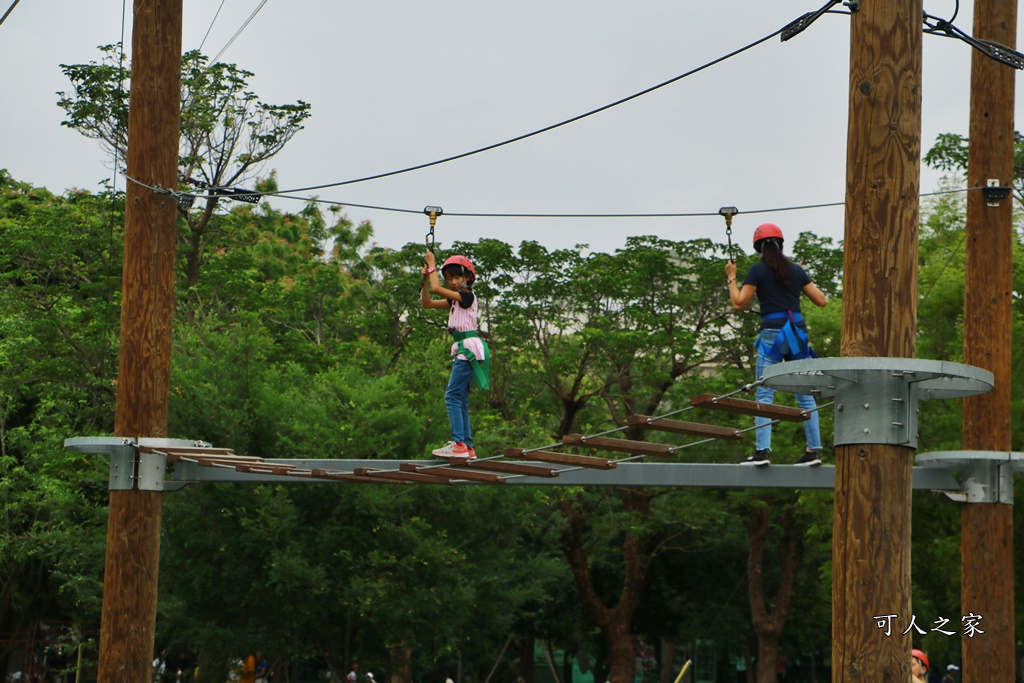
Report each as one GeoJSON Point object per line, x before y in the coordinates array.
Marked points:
{"type": "Point", "coordinates": [394, 84]}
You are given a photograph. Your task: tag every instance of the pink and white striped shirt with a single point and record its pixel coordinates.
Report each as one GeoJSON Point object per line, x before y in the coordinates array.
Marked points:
{"type": "Point", "coordinates": [463, 320]}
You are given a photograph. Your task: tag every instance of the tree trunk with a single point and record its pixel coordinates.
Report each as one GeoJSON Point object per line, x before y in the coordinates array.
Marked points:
{"type": "Point", "coordinates": [614, 622]}
{"type": "Point", "coordinates": [668, 654]}
{"type": "Point", "coordinates": [767, 624]}
{"type": "Point", "coordinates": [527, 665]}
{"type": "Point", "coordinates": [767, 658]}
{"type": "Point", "coordinates": [401, 663]}
{"type": "Point", "coordinates": [621, 654]}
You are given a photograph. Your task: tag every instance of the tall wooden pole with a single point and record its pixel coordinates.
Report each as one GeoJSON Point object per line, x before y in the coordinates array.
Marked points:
{"type": "Point", "coordinates": [987, 528]}
{"type": "Point", "coordinates": [128, 626]}
{"type": "Point", "coordinates": [871, 528]}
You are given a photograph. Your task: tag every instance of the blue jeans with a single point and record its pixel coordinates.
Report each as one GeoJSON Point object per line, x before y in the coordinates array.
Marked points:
{"type": "Point", "coordinates": [456, 398]}
{"type": "Point", "coordinates": [812, 431]}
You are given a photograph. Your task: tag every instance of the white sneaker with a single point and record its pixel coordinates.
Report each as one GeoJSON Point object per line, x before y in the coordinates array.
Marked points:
{"type": "Point", "coordinates": [452, 449]}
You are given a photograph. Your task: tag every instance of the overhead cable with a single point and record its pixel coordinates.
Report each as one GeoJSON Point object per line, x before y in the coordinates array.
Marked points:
{"type": "Point", "coordinates": [1001, 53]}
{"type": "Point", "coordinates": [9, 10]}
{"type": "Point", "coordinates": [216, 14]}
{"type": "Point", "coordinates": [239, 194]}
{"type": "Point", "coordinates": [693, 214]}
{"type": "Point", "coordinates": [239, 31]}
{"type": "Point", "coordinates": [545, 129]}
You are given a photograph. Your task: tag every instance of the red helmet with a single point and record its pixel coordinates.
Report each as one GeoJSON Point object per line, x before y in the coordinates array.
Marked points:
{"type": "Point", "coordinates": [923, 657]}
{"type": "Point", "coordinates": [461, 261]}
{"type": "Point", "coordinates": [766, 231]}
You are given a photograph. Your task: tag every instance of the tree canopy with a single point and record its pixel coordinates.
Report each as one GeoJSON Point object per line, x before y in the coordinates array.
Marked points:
{"type": "Point", "coordinates": [296, 336]}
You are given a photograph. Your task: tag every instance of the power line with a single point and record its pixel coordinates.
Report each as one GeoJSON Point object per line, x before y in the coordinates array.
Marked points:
{"type": "Point", "coordinates": [9, 10]}
{"type": "Point", "coordinates": [546, 128]}
{"type": "Point", "coordinates": [217, 14]}
{"type": "Point", "coordinates": [472, 214]}
{"type": "Point", "coordinates": [107, 310]}
{"type": "Point", "coordinates": [239, 31]}
{"type": "Point", "coordinates": [693, 214]}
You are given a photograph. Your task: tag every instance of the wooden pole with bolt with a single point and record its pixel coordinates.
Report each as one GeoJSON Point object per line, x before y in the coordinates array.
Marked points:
{"type": "Point", "coordinates": [128, 626]}
{"type": "Point", "coordinates": [986, 587]}
{"type": "Point", "coordinates": [871, 527]}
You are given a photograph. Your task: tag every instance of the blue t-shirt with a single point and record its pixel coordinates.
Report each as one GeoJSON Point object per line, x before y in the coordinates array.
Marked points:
{"type": "Point", "coordinates": [772, 296]}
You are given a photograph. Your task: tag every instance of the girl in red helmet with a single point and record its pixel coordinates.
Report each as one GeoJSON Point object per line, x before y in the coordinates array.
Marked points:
{"type": "Point", "coordinates": [778, 283]}
{"type": "Point", "coordinates": [470, 356]}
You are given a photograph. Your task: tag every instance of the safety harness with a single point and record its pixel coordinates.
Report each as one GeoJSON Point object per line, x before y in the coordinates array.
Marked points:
{"type": "Point", "coordinates": [481, 368]}
{"type": "Point", "coordinates": [792, 343]}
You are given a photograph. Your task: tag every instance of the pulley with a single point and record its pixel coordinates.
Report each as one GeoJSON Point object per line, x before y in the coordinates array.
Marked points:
{"type": "Point", "coordinates": [727, 212]}
{"type": "Point", "coordinates": [433, 212]}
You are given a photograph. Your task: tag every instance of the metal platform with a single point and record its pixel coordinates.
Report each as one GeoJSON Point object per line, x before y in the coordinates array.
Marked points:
{"type": "Point", "coordinates": [876, 398]}
{"type": "Point", "coordinates": [673, 475]}
{"type": "Point", "coordinates": [171, 464]}
{"type": "Point", "coordinates": [986, 476]}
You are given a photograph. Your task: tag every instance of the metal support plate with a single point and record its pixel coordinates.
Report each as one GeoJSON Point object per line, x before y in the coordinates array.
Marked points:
{"type": "Point", "coordinates": [985, 476]}
{"type": "Point", "coordinates": [876, 398]}
{"type": "Point", "coordinates": [122, 467]}
{"type": "Point", "coordinates": [130, 469]}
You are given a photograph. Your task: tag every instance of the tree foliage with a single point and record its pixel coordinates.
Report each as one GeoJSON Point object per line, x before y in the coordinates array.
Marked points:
{"type": "Point", "coordinates": [303, 339]}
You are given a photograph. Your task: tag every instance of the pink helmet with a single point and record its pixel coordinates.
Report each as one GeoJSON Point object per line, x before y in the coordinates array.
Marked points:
{"type": "Point", "coordinates": [459, 260]}
{"type": "Point", "coordinates": [766, 231]}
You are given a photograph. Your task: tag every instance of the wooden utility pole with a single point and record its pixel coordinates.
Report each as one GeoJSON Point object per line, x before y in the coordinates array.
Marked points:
{"type": "Point", "coordinates": [987, 528]}
{"type": "Point", "coordinates": [128, 627]}
{"type": "Point", "coordinates": [871, 528]}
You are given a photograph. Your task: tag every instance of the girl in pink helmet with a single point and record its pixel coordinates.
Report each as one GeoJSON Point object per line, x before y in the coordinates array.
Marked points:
{"type": "Point", "coordinates": [470, 355]}
{"type": "Point", "coordinates": [778, 283]}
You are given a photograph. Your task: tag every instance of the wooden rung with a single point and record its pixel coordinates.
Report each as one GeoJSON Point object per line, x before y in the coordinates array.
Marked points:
{"type": "Point", "coordinates": [506, 467]}
{"type": "Point", "coordinates": [620, 445]}
{"type": "Point", "coordinates": [562, 458]}
{"type": "Point", "coordinates": [680, 427]}
{"type": "Point", "coordinates": [451, 473]}
{"type": "Point", "coordinates": [223, 462]}
{"type": "Point", "coordinates": [400, 476]}
{"type": "Point", "coordinates": [336, 475]}
{"type": "Point", "coordinates": [755, 408]}
{"type": "Point", "coordinates": [265, 468]}
{"type": "Point", "coordinates": [206, 460]}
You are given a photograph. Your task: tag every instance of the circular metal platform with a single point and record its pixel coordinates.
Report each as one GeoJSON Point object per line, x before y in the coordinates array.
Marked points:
{"type": "Point", "coordinates": [104, 444]}
{"type": "Point", "coordinates": [929, 379]}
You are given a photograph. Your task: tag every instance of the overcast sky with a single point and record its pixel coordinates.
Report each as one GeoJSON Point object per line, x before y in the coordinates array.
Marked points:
{"type": "Point", "coordinates": [395, 84]}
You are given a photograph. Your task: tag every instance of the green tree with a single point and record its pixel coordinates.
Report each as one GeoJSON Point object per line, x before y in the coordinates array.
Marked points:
{"type": "Point", "coordinates": [58, 345]}
{"type": "Point", "coordinates": [227, 133]}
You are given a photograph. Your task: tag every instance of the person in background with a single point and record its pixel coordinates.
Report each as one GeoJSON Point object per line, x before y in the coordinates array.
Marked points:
{"type": "Point", "coordinates": [950, 676]}
{"type": "Point", "coordinates": [918, 666]}
{"type": "Point", "coordinates": [160, 666]}
{"type": "Point", "coordinates": [262, 668]}
{"type": "Point", "coordinates": [248, 672]}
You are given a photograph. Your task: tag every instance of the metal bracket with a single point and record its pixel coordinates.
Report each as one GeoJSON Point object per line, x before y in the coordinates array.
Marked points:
{"type": "Point", "coordinates": [985, 476]}
{"type": "Point", "coordinates": [876, 398]}
{"type": "Point", "coordinates": [129, 469]}
{"type": "Point", "coordinates": [994, 192]}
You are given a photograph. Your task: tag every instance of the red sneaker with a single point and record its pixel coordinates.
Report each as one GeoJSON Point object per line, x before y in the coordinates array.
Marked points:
{"type": "Point", "coordinates": [472, 453]}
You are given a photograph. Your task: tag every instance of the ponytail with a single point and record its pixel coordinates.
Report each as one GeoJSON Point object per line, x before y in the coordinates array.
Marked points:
{"type": "Point", "coordinates": [771, 254]}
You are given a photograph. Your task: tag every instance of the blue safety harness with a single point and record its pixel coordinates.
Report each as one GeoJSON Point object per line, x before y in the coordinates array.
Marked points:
{"type": "Point", "coordinates": [791, 343]}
